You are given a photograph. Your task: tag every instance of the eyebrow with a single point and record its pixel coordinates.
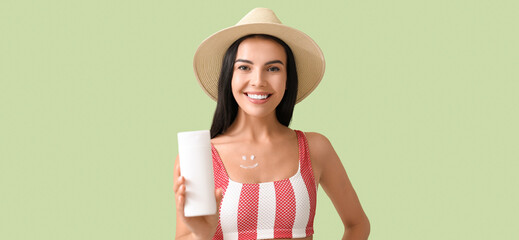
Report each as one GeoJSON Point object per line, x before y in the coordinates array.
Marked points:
{"type": "Point", "coordinates": [267, 63]}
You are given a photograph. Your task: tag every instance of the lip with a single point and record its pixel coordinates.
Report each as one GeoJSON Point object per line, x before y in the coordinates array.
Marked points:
{"type": "Point", "coordinates": [258, 101]}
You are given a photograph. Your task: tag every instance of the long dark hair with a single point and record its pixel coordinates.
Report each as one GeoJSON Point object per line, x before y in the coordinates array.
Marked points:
{"type": "Point", "coordinates": [227, 107]}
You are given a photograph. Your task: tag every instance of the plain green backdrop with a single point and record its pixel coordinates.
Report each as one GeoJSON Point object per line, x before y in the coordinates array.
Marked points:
{"type": "Point", "coordinates": [420, 100]}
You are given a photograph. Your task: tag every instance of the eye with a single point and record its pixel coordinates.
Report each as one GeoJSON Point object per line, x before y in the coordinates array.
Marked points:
{"type": "Point", "coordinates": [273, 69]}
{"type": "Point", "coordinates": [243, 67]}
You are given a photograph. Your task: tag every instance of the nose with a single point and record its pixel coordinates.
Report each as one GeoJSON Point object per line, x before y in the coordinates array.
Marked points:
{"type": "Point", "coordinates": [258, 79]}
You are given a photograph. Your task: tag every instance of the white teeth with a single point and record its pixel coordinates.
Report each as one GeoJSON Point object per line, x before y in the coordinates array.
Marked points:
{"type": "Point", "coordinates": [259, 97]}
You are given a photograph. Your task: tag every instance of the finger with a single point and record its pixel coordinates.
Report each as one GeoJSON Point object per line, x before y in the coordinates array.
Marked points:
{"type": "Point", "coordinates": [180, 204]}
{"type": "Point", "coordinates": [177, 169]}
{"type": "Point", "coordinates": [180, 180]}
{"type": "Point", "coordinates": [218, 193]}
{"type": "Point", "coordinates": [182, 190]}
{"type": "Point", "coordinates": [176, 173]}
{"type": "Point", "coordinates": [219, 196]}
{"type": "Point", "coordinates": [175, 184]}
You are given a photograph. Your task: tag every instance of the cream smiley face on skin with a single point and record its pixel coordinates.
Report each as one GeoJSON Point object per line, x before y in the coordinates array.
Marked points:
{"type": "Point", "coordinates": [248, 166]}
{"type": "Point", "coordinates": [259, 76]}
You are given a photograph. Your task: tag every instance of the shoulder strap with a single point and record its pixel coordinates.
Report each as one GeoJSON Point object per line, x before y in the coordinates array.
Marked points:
{"type": "Point", "coordinates": [304, 152]}
{"type": "Point", "coordinates": [220, 174]}
{"type": "Point", "coordinates": [308, 177]}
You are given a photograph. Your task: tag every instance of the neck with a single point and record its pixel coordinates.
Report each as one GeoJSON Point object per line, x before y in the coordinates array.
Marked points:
{"type": "Point", "coordinates": [255, 129]}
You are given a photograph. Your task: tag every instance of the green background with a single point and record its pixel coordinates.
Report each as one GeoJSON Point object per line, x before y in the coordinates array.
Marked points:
{"type": "Point", "coordinates": [420, 100]}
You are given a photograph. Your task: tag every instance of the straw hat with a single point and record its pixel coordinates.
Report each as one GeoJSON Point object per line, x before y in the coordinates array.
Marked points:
{"type": "Point", "coordinates": [308, 56]}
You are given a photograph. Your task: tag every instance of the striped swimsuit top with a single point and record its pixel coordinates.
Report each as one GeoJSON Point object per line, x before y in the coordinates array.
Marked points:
{"type": "Point", "coordinates": [279, 209]}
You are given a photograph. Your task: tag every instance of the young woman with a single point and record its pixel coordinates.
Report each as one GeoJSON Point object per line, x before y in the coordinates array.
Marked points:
{"type": "Point", "coordinates": [266, 174]}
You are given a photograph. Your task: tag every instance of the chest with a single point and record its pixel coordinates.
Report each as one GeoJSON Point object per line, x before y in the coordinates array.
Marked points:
{"type": "Point", "coordinates": [246, 163]}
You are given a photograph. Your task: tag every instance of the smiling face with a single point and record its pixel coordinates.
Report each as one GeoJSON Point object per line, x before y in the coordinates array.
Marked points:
{"type": "Point", "coordinates": [259, 76]}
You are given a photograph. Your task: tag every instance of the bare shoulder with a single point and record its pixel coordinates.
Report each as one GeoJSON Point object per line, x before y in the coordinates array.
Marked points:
{"type": "Point", "coordinates": [318, 143]}
{"type": "Point", "coordinates": [321, 152]}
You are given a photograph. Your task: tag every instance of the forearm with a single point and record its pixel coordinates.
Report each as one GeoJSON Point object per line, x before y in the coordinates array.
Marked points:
{"type": "Point", "coordinates": [357, 232]}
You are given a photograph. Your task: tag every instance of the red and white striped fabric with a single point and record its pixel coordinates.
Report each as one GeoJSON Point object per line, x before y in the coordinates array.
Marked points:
{"type": "Point", "coordinates": [279, 209]}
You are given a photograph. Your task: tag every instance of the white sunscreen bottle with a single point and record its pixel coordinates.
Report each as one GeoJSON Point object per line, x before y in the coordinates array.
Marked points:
{"type": "Point", "coordinates": [196, 166]}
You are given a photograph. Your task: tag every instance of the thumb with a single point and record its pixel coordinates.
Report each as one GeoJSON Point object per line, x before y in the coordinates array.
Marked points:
{"type": "Point", "coordinates": [219, 196]}
{"type": "Point", "coordinates": [218, 193]}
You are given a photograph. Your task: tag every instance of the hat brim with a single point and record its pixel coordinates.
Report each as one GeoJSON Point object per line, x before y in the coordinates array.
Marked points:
{"type": "Point", "coordinates": [308, 56]}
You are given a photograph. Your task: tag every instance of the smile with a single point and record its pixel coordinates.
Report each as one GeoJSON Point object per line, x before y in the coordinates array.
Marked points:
{"type": "Point", "coordinates": [258, 97]}
{"type": "Point", "coordinates": [255, 96]}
